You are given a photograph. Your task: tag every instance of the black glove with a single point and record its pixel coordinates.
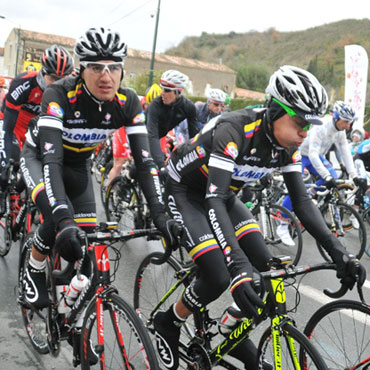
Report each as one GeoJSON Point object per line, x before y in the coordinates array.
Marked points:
{"type": "Point", "coordinates": [243, 290]}
{"type": "Point", "coordinates": [171, 229]}
{"type": "Point", "coordinates": [330, 182]}
{"type": "Point", "coordinates": [361, 183]}
{"type": "Point", "coordinates": [343, 168]}
{"type": "Point", "coordinates": [163, 173]}
{"type": "Point", "coordinates": [350, 270]}
{"type": "Point", "coordinates": [68, 240]}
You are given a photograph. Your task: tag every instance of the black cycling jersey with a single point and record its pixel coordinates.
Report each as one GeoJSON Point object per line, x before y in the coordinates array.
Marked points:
{"type": "Point", "coordinates": [73, 122]}
{"type": "Point", "coordinates": [162, 118]}
{"type": "Point", "coordinates": [231, 150]}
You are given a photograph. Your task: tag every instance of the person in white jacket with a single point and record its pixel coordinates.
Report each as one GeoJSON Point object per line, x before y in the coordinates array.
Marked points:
{"type": "Point", "coordinates": [314, 148]}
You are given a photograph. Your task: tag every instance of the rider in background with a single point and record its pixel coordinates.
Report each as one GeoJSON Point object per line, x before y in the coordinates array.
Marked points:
{"type": "Point", "coordinates": [23, 102]}
{"type": "Point", "coordinates": [222, 236]}
{"type": "Point", "coordinates": [313, 150]}
{"type": "Point", "coordinates": [166, 111]}
{"type": "Point", "coordinates": [3, 90]}
{"type": "Point", "coordinates": [212, 108]}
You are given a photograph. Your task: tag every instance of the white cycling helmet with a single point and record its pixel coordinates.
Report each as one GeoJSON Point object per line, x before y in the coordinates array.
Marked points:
{"type": "Point", "coordinates": [216, 96]}
{"type": "Point", "coordinates": [174, 80]}
{"type": "Point", "coordinates": [299, 90]}
{"type": "Point", "coordinates": [99, 44]}
{"type": "Point", "coordinates": [360, 133]}
{"type": "Point", "coordinates": [342, 110]}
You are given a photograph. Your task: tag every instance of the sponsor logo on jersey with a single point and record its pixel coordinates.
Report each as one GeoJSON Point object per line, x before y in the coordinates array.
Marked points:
{"type": "Point", "coordinates": [187, 159]}
{"type": "Point", "coordinates": [15, 94]}
{"type": "Point", "coordinates": [201, 151]}
{"type": "Point", "coordinates": [296, 157]}
{"type": "Point", "coordinates": [231, 150]}
{"type": "Point", "coordinates": [77, 114]}
{"type": "Point", "coordinates": [212, 188]}
{"type": "Point", "coordinates": [248, 173]}
{"type": "Point", "coordinates": [78, 121]}
{"type": "Point", "coordinates": [217, 228]}
{"type": "Point", "coordinates": [253, 151]}
{"type": "Point", "coordinates": [153, 171]}
{"type": "Point", "coordinates": [205, 237]}
{"type": "Point", "coordinates": [85, 136]}
{"type": "Point", "coordinates": [54, 109]}
{"type": "Point", "coordinates": [227, 250]}
{"type": "Point", "coordinates": [139, 118]}
{"type": "Point", "coordinates": [32, 108]}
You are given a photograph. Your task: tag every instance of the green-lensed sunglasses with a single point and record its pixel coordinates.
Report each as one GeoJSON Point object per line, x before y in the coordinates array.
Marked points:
{"type": "Point", "coordinates": [291, 113]}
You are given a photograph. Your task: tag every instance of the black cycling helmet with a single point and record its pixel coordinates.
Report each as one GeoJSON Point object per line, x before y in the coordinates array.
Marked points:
{"type": "Point", "coordinates": [57, 60]}
{"type": "Point", "coordinates": [100, 44]}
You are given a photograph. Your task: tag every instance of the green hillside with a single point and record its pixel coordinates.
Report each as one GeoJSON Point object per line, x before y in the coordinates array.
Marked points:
{"type": "Point", "coordinates": [319, 49]}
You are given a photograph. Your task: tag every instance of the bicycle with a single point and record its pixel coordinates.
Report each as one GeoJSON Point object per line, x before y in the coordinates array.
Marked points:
{"type": "Point", "coordinates": [340, 331]}
{"type": "Point", "coordinates": [125, 202]}
{"type": "Point", "coordinates": [21, 215]}
{"type": "Point", "coordinates": [339, 217]}
{"type": "Point", "coordinates": [270, 215]}
{"type": "Point", "coordinates": [162, 278]}
{"type": "Point", "coordinates": [106, 323]}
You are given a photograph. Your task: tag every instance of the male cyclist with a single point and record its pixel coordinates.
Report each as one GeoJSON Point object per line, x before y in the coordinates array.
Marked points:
{"type": "Point", "coordinates": [223, 238]}
{"type": "Point", "coordinates": [78, 113]}
{"type": "Point", "coordinates": [314, 148]}
{"type": "Point", "coordinates": [167, 111]}
{"type": "Point", "coordinates": [212, 108]}
{"type": "Point", "coordinates": [23, 102]}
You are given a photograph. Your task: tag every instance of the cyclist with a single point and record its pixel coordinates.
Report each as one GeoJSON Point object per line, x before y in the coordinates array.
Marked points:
{"type": "Point", "coordinates": [223, 238]}
{"type": "Point", "coordinates": [314, 148]}
{"type": "Point", "coordinates": [78, 113]}
{"type": "Point", "coordinates": [215, 103]}
{"type": "Point", "coordinates": [226, 106]}
{"type": "Point", "coordinates": [167, 111]}
{"type": "Point", "coordinates": [23, 102]}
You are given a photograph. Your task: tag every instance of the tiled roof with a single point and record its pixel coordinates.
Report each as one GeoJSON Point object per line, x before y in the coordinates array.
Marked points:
{"type": "Point", "coordinates": [248, 94]}
{"type": "Point", "coordinates": [164, 58]}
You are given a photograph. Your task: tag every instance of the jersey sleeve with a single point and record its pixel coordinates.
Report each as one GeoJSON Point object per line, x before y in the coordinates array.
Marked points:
{"type": "Point", "coordinates": [314, 153]}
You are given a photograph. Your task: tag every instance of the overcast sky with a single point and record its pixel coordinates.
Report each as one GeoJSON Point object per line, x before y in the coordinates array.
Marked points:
{"type": "Point", "coordinates": [135, 19]}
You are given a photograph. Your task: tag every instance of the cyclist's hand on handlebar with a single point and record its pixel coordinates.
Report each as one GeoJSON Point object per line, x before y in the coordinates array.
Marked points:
{"type": "Point", "coordinates": [351, 271]}
{"type": "Point", "coordinates": [360, 182]}
{"type": "Point", "coordinates": [244, 293]}
{"type": "Point", "coordinates": [68, 240]}
{"type": "Point", "coordinates": [171, 229]}
{"type": "Point", "coordinates": [330, 182]}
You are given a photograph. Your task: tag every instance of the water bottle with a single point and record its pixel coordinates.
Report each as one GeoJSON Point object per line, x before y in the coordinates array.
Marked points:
{"type": "Point", "coordinates": [75, 287]}
{"type": "Point", "coordinates": [366, 201]}
{"type": "Point", "coordinates": [229, 319]}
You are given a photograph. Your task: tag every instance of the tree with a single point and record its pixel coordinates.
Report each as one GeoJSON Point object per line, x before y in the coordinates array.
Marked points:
{"type": "Point", "coordinates": [140, 81]}
{"type": "Point", "coordinates": [253, 77]}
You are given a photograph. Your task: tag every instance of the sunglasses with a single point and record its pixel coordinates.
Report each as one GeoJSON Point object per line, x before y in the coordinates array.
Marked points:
{"type": "Point", "coordinates": [99, 68]}
{"type": "Point", "coordinates": [305, 127]}
{"type": "Point", "coordinates": [164, 89]}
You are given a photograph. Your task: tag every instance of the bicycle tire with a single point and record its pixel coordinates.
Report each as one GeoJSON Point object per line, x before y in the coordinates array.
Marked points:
{"type": "Point", "coordinates": [340, 330]}
{"type": "Point", "coordinates": [5, 234]}
{"type": "Point", "coordinates": [152, 282]}
{"type": "Point", "coordinates": [354, 240]}
{"type": "Point", "coordinates": [123, 204]}
{"type": "Point", "coordinates": [366, 219]}
{"type": "Point", "coordinates": [273, 241]}
{"type": "Point", "coordinates": [33, 323]}
{"type": "Point", "coordinates": [308, 355]}
{"type": "Point", "coordinates": [137, 348]}
{"type": "Point", "coordinates": [104, 180]}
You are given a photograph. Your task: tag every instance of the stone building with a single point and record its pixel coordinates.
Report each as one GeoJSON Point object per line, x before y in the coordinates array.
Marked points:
{"type": "Point", "coordinates": [24, 48]}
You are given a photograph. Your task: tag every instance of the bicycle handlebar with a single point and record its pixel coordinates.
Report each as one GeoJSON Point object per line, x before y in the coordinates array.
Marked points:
{"type": "Point", "coordinates": [105, 236]}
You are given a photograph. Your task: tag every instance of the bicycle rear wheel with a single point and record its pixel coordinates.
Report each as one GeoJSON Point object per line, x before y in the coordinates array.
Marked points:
{"type": "Point", "coordinates": [123, 204]}
{"type": "Point", "coordinates": [275, 215]}
{"type": "Point", "coordinates": [5, 234]}
{"type": "Point", "coordinates": [34, 320]}
{"type": "Point", "coordinates": [306, 354]}
{"type": "Point", "coordinates": [126, 342]}
{"type": "Point", "coordinates": [340, 331]}
{"type": "Point", "coordinates": [353, 239]}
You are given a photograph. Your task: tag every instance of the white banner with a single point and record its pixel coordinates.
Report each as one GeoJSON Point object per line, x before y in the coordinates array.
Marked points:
{"type": "Point", "coordinates": [356, 65]}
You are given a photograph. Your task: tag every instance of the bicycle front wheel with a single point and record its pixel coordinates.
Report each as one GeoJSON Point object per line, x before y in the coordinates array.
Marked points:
{"type": "Point", "coordinates": [366, 219]}
{"type": "Point", "coordinates": [346, 224]}
{"type": "Point", "coordinates": [340, 330]}
{"type": "Point", "coordinates": [5, 234]}
{"type": "Point", "coordinates": [304, 353]}
{"type": "Point", "coordinates": [126, 342]}
{"type": "Point", "coordinates": [276, 216]}
{"type": "Point", "coordinates": [34, 320]}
